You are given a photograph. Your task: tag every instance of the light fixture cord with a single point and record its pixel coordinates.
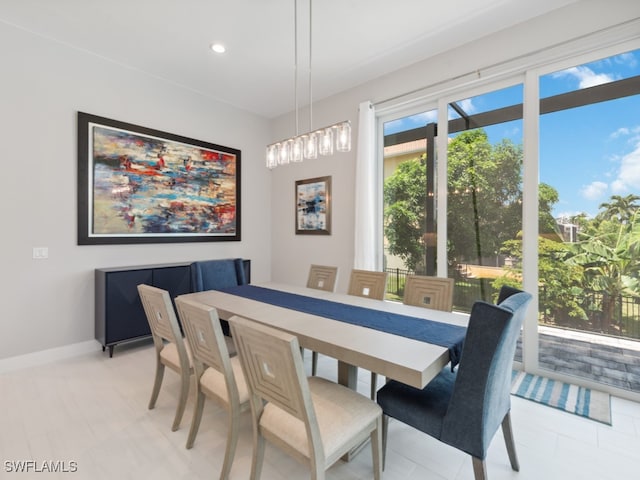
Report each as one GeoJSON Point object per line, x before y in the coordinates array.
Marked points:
{"type": "Point", "coordinates": [295, 60]}
{"type": "Point", "coordinates": [310, 50]}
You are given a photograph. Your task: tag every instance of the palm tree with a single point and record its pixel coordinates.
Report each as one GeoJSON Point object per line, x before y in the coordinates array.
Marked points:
{"type": "Point", "coordinates": [620, 208]}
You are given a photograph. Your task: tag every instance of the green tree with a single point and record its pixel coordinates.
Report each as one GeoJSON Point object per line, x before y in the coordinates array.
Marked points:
{"type": "Point", "coordinates": [561, 285]}
{"type": "Point", "coordinates": [404, 212]}
{"type": "Point", "coordinates": [484, 195]}
{"type": "Point", "coordinates": [484, 201]}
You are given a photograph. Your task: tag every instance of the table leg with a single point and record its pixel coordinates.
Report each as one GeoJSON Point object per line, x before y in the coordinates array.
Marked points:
{"type": "Point", "coordinates": [348, 376]}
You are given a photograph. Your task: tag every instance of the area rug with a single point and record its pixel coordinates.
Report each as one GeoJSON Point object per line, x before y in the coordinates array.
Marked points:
{"type": "Point", "coordinates": [581, 401]}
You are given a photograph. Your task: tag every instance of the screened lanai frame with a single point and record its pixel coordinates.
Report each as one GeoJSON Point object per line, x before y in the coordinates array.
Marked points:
{"type": "Point", "coordinates": [528, 72]}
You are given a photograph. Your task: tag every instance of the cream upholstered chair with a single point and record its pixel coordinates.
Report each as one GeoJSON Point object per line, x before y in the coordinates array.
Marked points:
{"type": "Point", "coordinates": [321, 277]}
{"type": "Point", "coordinates": [171, 350]}
{"type": "Point", "coordinates": [364, 283]}
{"type": "Point", "coordinates": [312, 419]}
{"type": "Point", "coordinates": [217, 375]}
{"type": "Point", "coordinates": [429, 292]}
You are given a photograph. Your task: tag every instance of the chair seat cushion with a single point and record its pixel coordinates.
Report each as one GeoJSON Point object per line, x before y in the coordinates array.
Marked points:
{"type": "Point", "coordinates": [214, 386]}
{"type": "Point", "coordinates": [341, 413]}
{"type": "Point", "coordinates": [422, 409]}
{"type": "Point", "coordinates": [169, 356]}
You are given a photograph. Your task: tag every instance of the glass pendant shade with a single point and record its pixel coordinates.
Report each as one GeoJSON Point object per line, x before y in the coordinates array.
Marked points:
{"type": "Point", "coordinates": [285, 152]}
{"type": "Point", "coordinates": [297, 149]}
{"type": "Point", "coordinates": [311, 146]}
{"type": "Point", "coordinates": [343, 137]}
{"type": "Point", "coordinates": [326, 142]}
{"type": "Point", "coordinates": [273, 154]}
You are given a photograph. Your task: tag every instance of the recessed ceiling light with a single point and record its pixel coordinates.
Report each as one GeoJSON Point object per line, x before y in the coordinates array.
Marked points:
{"type": "Point", "coordinates": [218, 48]}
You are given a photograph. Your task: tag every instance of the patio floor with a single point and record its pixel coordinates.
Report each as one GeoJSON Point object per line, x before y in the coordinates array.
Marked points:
{"type": "Point", "coordinates": [607, 360]}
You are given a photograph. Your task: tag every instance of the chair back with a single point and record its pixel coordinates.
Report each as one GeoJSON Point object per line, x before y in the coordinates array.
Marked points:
{"type": "Point", "coordinates": [365, 283]}
{"type": "Point", "coordinates": [274, 372]}
{"type": "Point", "coordinates": [161, 317]}
{"type": "Point", "coordinates": [208, 346]}
{"type": "Point", "coordinates": [429, 292]}
{"type": "Point", "coordinates": [217, 274]}
{"type": "Point", "coordinates": [322, 277]}
{"type": "Point", "coordinates": [481, 395]}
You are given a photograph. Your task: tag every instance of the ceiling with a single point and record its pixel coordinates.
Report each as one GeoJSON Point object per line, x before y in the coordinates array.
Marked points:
{"type": "Point", "coordinates": [354, 41]}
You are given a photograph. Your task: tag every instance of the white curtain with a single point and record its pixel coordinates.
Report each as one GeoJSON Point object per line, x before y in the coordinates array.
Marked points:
{"type": "Point", "coordinates": [366, 240]}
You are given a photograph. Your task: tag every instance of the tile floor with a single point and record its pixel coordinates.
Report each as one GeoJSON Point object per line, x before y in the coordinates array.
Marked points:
{"type": "Point", "coordinates": [89, 414]}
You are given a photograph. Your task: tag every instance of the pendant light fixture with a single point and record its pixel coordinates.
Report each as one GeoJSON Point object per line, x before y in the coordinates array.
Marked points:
{"type": "Point", "coordinates": [308, 145]}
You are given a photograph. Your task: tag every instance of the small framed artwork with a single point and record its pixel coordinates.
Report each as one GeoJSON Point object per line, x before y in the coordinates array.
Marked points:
{"type": "Point", "coordinates": [313, 206]}
{"type": "Point", "coordinates": [138, 185]}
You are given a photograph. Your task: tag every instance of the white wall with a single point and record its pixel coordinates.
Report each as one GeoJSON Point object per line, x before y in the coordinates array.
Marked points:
{"type": "Point", "coordinates": [292, 254]}
{"type": "Point", "coordinates": [50, 303]}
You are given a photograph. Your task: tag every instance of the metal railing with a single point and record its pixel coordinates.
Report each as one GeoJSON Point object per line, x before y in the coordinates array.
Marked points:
{"type": "Point", "coordinates": [625, 324]}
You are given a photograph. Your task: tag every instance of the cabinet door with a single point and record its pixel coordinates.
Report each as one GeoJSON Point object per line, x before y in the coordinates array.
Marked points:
{"type": "Point", "coordinates": [125, 315]}
{"type": "Point", "coordinates": [175, 280]}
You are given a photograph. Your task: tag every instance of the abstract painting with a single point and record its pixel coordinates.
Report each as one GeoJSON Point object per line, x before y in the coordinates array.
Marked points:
{"type": "Point", "coordinates": [313, 206]}
{"type": "Point", "coordinates": [138, 185]}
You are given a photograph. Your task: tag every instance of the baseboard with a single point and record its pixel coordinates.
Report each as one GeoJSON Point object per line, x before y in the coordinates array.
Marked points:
{"type": "Point", "coordinates": [47, 356]}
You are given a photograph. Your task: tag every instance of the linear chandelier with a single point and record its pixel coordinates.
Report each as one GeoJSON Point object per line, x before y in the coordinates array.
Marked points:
{"type": "Point", "coordinates": [321, 141]}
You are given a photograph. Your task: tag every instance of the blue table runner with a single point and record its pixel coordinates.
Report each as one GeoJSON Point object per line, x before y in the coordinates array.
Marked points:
{"type": "Point", "coordinates": [430, 331]}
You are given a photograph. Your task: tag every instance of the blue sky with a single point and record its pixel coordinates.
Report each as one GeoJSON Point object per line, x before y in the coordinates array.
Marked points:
{"type": "Point", "coordinates": [587, 153]}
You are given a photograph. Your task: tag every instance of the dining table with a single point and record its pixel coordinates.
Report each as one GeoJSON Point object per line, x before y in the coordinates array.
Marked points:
{"type": "Point", "coordinates": [377, 335]}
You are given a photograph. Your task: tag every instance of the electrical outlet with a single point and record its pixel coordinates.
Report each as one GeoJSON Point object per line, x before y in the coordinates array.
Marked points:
{"type": "Point", "coordinates": [40, 253]}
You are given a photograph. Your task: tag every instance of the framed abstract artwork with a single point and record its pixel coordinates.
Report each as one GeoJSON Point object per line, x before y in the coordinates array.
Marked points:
{"type": "Point", "coordinates": [313, 206]}
{"type": "Point", "coordinates": [139, 185]}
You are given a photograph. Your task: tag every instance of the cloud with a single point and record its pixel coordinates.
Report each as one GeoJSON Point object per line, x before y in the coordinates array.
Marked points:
{"type": "Point", "coordinates": [585, 76]}
{"type": "Point", "coordinates": [467, 107]}
{"type": "Point", "coordinates": [629, 174]}
{"type": "Point", "coordinates": [425, 117]}
{"type": "Point", "coordinates": [627, 59]}
{"type": "Point", "coordinates": [621, 132]}
{"type": "Point", "coordinates": [594, 190]}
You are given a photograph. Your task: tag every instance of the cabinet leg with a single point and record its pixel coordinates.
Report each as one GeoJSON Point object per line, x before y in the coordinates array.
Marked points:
{"type": "Point", "coordinates": [111, 350]}
{"type": "Point", "coordinates": [103, 347]}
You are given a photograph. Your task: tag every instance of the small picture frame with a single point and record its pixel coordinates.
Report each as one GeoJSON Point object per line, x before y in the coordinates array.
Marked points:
{"type": "Point", "coordinates": [313, 206]}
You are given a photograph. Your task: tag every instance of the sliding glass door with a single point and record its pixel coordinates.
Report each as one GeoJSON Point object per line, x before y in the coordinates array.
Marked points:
{"type": "Point", "coordinates": [484, 194]}
{"type": "Point", "coordinates": [533, 183]}
{"type": "Point", "coordinates": [589, 243]}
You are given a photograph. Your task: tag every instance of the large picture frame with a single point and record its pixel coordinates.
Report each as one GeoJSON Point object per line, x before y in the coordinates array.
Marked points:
{"type": "Point", "coordinates": [139, 185]}
{"type": "Point", "coordinates": [313, 206]}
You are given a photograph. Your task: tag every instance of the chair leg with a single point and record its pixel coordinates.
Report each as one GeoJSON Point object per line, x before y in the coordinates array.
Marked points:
{"type": "Point", "coordinates": [374, 385]}
{"type": "Point", "coordinates": [376, 447]}
{"type": "Point", "coordinates": [314, 363]}
{"type": "Point", "coordinates": [479, 469]}
{"type": "Point", "coordinates": [157, 383]}
{"type": "Point", "coordinates": [258, 455]}
{"type": "Point", "coordinates": [197, 417]}
{"type": "Point", "coordinates": [317, 472]}
{"type": "Point", "coordinates": [232, 442]}
{"type": "Point", "coordinates": [508, 439]}
{"type": "Point", "coordinates": [385, 429]}
{"type": "Point", "coordinates": [182, 403]}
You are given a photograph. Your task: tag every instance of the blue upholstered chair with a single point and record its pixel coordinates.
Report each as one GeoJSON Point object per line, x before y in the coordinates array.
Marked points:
{"type": "Point", "coordinates": [465, 408]}
{"type": "Point", "coordinates": [217, 274]}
